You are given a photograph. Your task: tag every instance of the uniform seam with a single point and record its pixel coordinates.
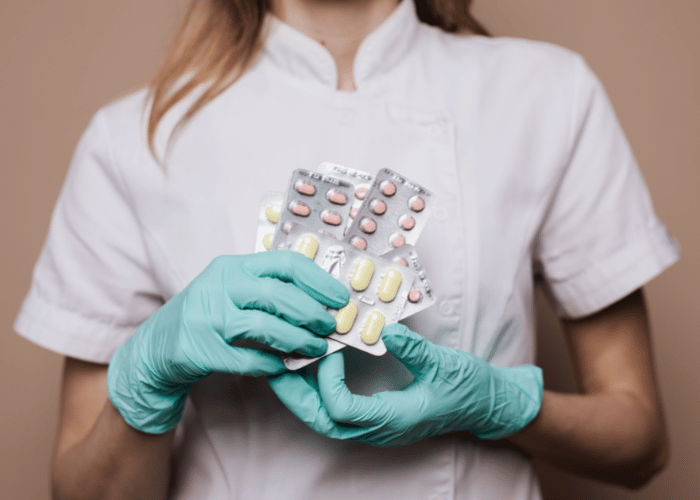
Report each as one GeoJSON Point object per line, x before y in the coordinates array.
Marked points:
{"type": "Point", "coordinates": [551, 194]}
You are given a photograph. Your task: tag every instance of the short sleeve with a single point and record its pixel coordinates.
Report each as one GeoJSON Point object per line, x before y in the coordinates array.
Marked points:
{"type": "Point", "coordinates": [600, 239]}
{"type": "Point", "coordinates": [92, 284]}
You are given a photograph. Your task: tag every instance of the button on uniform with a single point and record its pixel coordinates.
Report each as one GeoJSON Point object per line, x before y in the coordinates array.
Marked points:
{"type": "Point", "coordinates": [440, 212]}
{"type": "Point", "coordinates": [446, 307]}
{"type": "Point", "coordinates": [434, 130]}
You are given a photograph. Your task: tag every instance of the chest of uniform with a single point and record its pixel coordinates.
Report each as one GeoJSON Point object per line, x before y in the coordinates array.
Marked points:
{"type": "Point", "coordinates": [221, 168]}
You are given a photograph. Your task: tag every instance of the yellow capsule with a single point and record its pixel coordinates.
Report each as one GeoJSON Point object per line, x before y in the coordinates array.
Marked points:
{"type": "Point", "coordinates": [273, 213]}
{"type": "Point", "coordinates": [389, 287]}
{"type": "Point", "coordinates": [267, 241]}
{"type": "Point", "coordinates": [345, 318]}
{"type": "Point", "coordinates": [362, 274]}
{"type": "Point", "coordinates": [372, 328]}
{"type": "Point", "coordinates": [308, 246]}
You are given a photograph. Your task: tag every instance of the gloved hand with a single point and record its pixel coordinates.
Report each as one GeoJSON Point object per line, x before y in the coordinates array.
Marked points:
{"type": "Point", "coordinates": [452, 391]}
{"type": "Point", "coordinates": [274, 298]}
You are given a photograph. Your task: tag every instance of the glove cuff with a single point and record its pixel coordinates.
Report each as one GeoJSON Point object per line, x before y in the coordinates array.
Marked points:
{"type": "Point", "coordinates": [517, 400]}
{"type": "Point", "coordinates": [142, 407]}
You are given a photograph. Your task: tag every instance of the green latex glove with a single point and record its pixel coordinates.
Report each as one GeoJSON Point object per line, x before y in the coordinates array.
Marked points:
{"type": "Point", "coordinates": [452, 391]}
{"type": "Point", "coordinates": [275, 298]}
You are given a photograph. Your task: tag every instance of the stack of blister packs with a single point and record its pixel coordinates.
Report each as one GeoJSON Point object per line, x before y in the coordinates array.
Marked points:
{"type": "Point", "coordinates": [361, 229]}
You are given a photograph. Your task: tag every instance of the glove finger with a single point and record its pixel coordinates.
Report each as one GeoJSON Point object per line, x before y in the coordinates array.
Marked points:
{"type": "Point", "coordinates": [274, 332]}
{"type": "Point", "coordinates": [286, 301]}
{"type": "Point", "coordinates": [415, 352]}
{"type": "Point", "coordinates": [302, 398]}
{"type": "Point", "coordinates": [296, 268]}
{"type": "Point", "coordinates": [341, 404]}
{"type": "Point", "coordinates": [243, 361]}
{"type": "Point", "coordinates": [308, 377]}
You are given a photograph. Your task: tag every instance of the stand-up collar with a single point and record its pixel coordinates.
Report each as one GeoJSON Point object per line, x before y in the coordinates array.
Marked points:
{"type": "Point", "coordinates": [305, 58]}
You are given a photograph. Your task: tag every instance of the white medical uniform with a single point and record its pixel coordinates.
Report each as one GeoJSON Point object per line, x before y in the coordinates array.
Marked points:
{"type": "Point", "coordinates": [531, 172]}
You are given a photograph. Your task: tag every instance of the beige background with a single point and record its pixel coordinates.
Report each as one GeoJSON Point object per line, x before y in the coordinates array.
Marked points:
{"type": "Point", "coordinates": [60, 61]}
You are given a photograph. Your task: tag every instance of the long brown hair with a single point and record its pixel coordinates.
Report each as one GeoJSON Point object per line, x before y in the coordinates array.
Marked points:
{"type": "Point", "coordinates": [219, 39]}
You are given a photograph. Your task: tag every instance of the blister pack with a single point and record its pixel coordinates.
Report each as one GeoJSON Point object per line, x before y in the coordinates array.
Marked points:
{"type": "Point", "coordinates": [320, 202]}
{"type": "Point", "coordinates": [378, 287]}
{"type": "Point", "coordinates": [295, 361]}
{"type": "Point", "coordinates": [370, 253]}
{"type": "Point", "coordinates": [419, 297]}
{"type": "Point", "coordinates": [268, 215]}
{"type": "Point", "coordinates": [421, 294]}
{"type": "Point", "coordinates": [392, 214]}
{"type": "Point", "coordinates": [361, 181]}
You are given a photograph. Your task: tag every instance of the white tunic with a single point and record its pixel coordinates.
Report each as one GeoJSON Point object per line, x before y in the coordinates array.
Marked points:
{"type": "Point", "coordinates": [532, 175]}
